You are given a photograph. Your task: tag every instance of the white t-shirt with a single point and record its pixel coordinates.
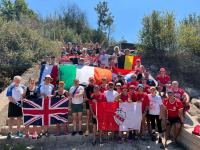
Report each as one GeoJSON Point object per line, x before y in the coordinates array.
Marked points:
{"type": "Point", "coordinates": [104, 59]}
{"type": "Point", "coordinates": [155, 103]}
{"type": "Point", "coordinates": [47, 89]}
{"type": "Point", "coordinates": [77, 99]}
{"type": "Point", "coordinates": [111, 95]}
{"type": "Point", "coordinates": [16, 92]}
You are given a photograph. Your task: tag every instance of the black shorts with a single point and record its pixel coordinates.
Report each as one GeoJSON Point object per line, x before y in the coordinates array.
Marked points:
{"type": "Point", "coordinates": [174, 120]}
{"type": "Point", "coordinates": [14, 110]}
{"type": "Point", "coordinates": [87, 105]}
{"type": "Point", "coordinates": [77, 108]}
{"type": "Point", "coordinates": [94, 121]}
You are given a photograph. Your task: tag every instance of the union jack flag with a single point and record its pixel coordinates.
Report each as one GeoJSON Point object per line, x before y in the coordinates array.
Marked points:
{"type": "Point", "coordinates": [45, 111]}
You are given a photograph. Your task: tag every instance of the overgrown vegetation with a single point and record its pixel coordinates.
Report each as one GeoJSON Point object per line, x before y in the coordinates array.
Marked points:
{"type": "Point", "coordinates": [25, 37]}
{"type": "Point", "coordinates": [173, 45]}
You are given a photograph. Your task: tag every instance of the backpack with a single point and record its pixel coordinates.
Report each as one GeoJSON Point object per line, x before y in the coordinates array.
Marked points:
{"type": "Point", "coordinates": [196, 130]}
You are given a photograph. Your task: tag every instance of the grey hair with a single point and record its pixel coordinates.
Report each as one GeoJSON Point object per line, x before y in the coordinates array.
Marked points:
{"type": "Point", "coordinates": [175, 82]}
{"type": "Point", "coordinates": [17, 78]}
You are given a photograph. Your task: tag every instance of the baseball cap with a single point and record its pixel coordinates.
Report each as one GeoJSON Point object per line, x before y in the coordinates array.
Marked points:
{"type": "Point", "coordinates": [118, 84]}
{"type": "Point", "coordinates": [140, 86]}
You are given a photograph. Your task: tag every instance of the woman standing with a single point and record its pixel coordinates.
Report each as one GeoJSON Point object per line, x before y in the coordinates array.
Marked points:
{"type": "Point", "coordinates": [31, 93]}
{"type": "Point", "coordinates": [61, 93]}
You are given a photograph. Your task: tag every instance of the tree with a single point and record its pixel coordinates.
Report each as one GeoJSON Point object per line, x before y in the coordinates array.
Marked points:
{"type": "Point", "coordinates": [158, 34]}
{"type": "Point", "coordinates": [15, 10]}
{"type": "Point", "coordinates": [105, 18]}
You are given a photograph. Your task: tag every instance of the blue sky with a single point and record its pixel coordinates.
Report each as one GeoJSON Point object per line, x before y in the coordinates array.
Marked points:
{"type": "Point", "coordinates": [128, 13]}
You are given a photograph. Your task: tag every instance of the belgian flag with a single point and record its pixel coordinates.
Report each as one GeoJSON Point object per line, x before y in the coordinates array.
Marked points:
{"type": "Point", "coordinates": [127, 62]}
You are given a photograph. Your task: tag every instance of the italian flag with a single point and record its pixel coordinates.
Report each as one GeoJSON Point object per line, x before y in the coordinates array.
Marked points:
{"type": "Point", "coordinates": [115, 116]}
{"type": "Point", "coordinates": [68, 73]}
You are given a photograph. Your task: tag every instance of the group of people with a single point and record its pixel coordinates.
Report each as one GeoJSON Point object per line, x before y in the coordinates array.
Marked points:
{"type": "Point", "coordinates": [163, 102]}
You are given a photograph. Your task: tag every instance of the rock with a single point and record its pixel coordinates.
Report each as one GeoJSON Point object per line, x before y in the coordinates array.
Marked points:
{"type": "Point", "coordinates": [194, 111]}
{"type": "Point", "coordinates": [194, 93]}
{"type": "Point", "coordinates": [196, 102]}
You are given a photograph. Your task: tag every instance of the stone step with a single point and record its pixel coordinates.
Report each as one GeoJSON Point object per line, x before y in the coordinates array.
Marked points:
{"type": "Point", "coordinates": [14, 123]}
{"type": "Point", "coordinates": [52, 129]}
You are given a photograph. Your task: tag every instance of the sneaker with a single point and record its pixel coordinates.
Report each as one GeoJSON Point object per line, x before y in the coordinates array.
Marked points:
{"type": "Point", "coordinates": [80, 132]}
{"type": "Point", "coordinates": [74, 133]}
{"type": "Point", "coordinates": [159, 140]}
{"type": "Point", "coordinates": [27, 136]}
{"type": "Point", "coordinates": [19, 134]}
{"type": "Point", "coordinates": [86, 132]}
{"type": "Point", "coordinates": [153, 138]}
{"type": "Point", "coordinates": [35, 135]}
{"type": "Point", "coordinates": [94, 142]}
{"type": "Point", "coordinates": [46, 134]}
{"type": "Point", "coordinates": [9, 136]}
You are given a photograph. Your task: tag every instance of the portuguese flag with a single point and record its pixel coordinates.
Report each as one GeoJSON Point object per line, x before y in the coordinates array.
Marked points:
{"type": "Point", "coordinates": [70, 72]}
{"type": "Point", "coordinates": [127, 62]}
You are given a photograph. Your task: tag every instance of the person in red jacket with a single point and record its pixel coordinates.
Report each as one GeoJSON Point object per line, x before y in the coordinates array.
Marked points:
{"type": "Point", "coordinates": [181, 94]}
{"type": "Point", "coordinates": [163, 80]}
{"type": "Point", "coordinates": [103, 85]}
{"type": "Point", "coordinates": [174, 115]}
{"type": "Point", "coordinates": [124, 95]}
{"type": "Point", "coordinates": [133, 82]}
{"type": "Point", "coordinates": [142, 97]}
{"type": "Point", "coordinates": [96, 97]}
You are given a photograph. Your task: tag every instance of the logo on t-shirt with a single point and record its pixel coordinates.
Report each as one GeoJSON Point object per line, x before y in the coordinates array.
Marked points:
{"type": "Point", "coordinates": [119, 116]}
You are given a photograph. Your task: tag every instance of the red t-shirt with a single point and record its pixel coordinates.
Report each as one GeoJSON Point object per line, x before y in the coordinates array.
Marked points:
{"type": "Point", "coordinates": [98, 97]}
{"type": "Point", "coordinates": [124, 98]}
{"type": "Point", "coordinates": [133, 96]}
{"type": "Point", "coordinates": [163, 80]}
{"type": "Point", "coordinates": [135, 83]}
{"type": "Point", "coordinates": [103, 89]}
{"type": "Point", "coordinates": [144, 99]}
{"type": "Point", "coordinates": [173, 108]}
{"type": "Point", "coordinates": [178, 93]}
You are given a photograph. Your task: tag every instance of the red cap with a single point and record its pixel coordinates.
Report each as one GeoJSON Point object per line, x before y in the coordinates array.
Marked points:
{"type": "Point", "coordinates": [138, 60]}
{"type": "Point", "coordinates": [124, 87]}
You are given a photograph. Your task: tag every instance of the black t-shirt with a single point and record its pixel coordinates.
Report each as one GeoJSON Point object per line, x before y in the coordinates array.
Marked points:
{"type": "Point", "coordinates": [31, 94]}
{"type": "Point", "coordinates": [61, 95]}
{"type": "Point", "coordinates": [89, 90]}
{"type": "Point", "coordinates": [97, 50]}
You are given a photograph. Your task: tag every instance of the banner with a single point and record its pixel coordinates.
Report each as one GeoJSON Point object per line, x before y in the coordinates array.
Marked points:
{"type": "Point", "coordinates": [118, 116]}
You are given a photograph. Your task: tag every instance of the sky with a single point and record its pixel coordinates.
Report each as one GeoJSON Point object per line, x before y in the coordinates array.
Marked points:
{"type": "Point", "coordinates": [127, 14]}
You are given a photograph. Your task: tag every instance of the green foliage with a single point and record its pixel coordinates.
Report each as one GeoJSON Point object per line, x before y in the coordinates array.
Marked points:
{"type": "Point", "coordinates": [105, 18]}
{"type": "Point", "coordinates": [158, 33]}
{"type": "Point", "coordinates": [10, 10]}
{"type": "Point", "coordinates": [174, 46]}
{"type": "Point", "coordinates": [21, 47]}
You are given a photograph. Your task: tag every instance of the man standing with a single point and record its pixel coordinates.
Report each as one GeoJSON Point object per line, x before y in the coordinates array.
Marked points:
{"type": "Point", "coordinates": [174, 115]}
{"type": "Point", "coordinates": [76, 94]}
{"type": "Point", "coordinates": [111, 95]}
{"type": "Point", "coordinates": [15, 94]}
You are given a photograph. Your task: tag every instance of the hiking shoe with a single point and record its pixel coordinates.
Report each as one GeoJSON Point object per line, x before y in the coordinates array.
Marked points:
{"type": "Point", "coordinates": [9, 136]}
{"type": "Point", "coordinates": [74, 133]}
{"type": "Point", "coordinates": [80, 132]}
